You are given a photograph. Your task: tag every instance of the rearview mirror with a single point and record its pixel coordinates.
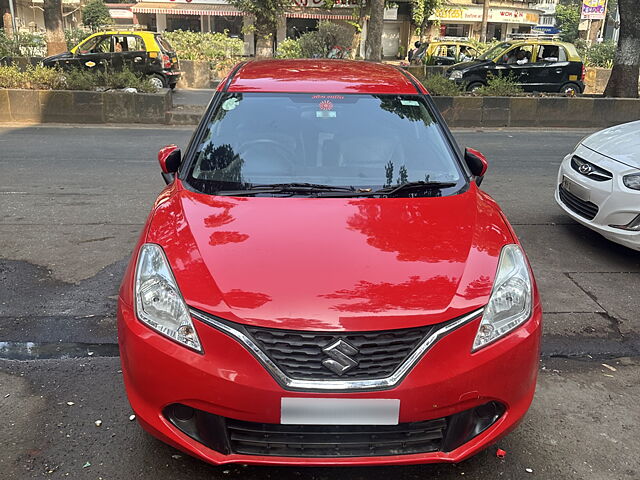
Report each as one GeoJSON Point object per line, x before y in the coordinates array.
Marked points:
{"type": "Point", "coordinates": [477, 163]}
{"type": "Point", "coordinates": [169, 158]}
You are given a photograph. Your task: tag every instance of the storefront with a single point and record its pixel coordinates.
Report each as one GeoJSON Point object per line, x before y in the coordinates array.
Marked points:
{"type": "Point", "coordinates": [466, 21]}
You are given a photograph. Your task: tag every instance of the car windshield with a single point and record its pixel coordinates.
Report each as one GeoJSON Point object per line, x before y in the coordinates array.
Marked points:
{"type": "Point", "coordinates": [494, 51]}
{"type": "Point", "coordinates": [360, 141]}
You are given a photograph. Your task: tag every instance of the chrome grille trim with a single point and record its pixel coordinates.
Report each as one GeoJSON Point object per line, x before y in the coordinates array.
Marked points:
{"type": "Point", "coordinates": [337, 385]}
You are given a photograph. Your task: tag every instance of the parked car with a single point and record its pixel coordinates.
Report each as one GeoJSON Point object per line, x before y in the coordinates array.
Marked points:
{"type": "Point", "coordinates": [445, 52]}
{"type": "Point", "coordinates": [536, 65]}
{"type": "Point", "coordinates": [322, 282]}
{"type": "Point", "coordinates": [599, 184]}
{"type": "Point", "coordinates": [146, 53]}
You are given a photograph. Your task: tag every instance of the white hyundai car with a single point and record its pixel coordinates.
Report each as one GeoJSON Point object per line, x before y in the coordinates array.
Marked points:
{"type": "Point", "coordinates": [599, 183]}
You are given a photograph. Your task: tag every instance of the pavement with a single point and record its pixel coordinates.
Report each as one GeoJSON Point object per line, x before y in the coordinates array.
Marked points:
{"type": "Point", "coordinates": [72, 202]}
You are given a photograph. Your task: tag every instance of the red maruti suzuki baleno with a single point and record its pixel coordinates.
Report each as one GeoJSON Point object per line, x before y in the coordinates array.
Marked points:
{"type": "Point", "coordinates": [322, 282]}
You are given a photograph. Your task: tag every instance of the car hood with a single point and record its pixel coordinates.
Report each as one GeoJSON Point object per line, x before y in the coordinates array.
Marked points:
{"type": "Point", "coordinates": [622, 143]}
{"type": "Point", "coordinates": [333, 263]}
{"type": "Point", "coordinates": [470, 64]}
{"type": "Point", "coordinates": [53, 58]}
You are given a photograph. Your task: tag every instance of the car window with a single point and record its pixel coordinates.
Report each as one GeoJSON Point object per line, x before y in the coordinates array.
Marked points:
{"type": "Point", "coordinates": [90, 44]}
{"type": "Point", "coordinates": [104, 46]}
{"type": "Point", "coordinates": [551, 53]}
{"type": "Point", "coordinates": [451, 51]}
{"type": "Point", "coordinates": [494, 51]}
{"type": "Point", "coordinates": [365, 141]}
{"type": "Point", "coordinates": [134, 43]}
{"type": "Point", "coordinates": [519, 55]}
{"type": "Point", "coordinates": [164, 44]}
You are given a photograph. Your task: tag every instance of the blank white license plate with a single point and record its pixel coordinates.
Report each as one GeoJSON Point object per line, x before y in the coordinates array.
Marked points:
{"type": "Point", "coordinates": [339, 411]}
{"type": "Point", "coordinates": [578, 190]}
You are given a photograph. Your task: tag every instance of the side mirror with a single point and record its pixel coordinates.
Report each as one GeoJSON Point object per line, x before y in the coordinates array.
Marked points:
{"type": "Point", "coordinates": [477, 163]}
{"type": "Point", "coordinates": [169, 158]}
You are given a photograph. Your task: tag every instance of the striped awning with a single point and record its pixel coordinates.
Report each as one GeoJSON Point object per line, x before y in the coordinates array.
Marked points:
{"type": "Point", "coordinates": [186, 9]}
{"type": "Point", "coordinates": [319, 15]}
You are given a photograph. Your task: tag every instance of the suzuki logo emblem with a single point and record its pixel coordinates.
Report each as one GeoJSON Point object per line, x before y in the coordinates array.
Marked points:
{"type": "Point", "coordinates": [340, 353]}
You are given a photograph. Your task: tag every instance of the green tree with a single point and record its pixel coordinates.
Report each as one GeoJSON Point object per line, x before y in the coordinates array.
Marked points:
{"type": "Point", "coordinates": [95, 14]}
{"type": "Point", "coordinates": [421, 10]}
{"type": "Point", "coordinates": [568, 18]}
{"type": "Point", "coordinates": [626, 68]}
{"type": "Point", "coordinates": [267, 14]}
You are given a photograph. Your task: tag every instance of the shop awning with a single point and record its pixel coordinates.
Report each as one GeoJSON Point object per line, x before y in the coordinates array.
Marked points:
{"type": "Point", "coordinates": [185, 9]}
{"type": "Point", "coordinates": [319, 15]}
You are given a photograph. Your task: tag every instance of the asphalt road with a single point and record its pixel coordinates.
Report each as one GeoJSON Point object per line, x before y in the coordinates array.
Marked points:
{"type": "Point", "coordinates": [72, 202]}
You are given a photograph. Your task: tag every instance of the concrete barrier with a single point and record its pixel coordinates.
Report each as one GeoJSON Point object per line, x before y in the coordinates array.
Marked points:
{"type": "Point", "coordinates": [596, 79]}
{"type": "Point", "coordinates": [468, 111]}
{"type": "Point", "coordinates": [70, 106]}
{"type": "Point", "coordinates": [195, 74]}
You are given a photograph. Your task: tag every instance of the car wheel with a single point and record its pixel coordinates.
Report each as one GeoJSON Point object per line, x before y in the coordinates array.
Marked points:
{"type": "Point", "coordinates": [570, 89]}
{"type": "Point", "coordinates": [472, 87]}
{"type": "Point", "coordinates": [157, 81]}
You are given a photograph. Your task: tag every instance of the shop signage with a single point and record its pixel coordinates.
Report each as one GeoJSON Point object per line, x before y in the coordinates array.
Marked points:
{"type": "Point", "coordinates": [496, 15]}
{"type": "Point", "coordinates": [120, 13]}
{"type": "Point", "coordinates": [594, 9]}
{"type": "Point", "coordinates": [321, 3]}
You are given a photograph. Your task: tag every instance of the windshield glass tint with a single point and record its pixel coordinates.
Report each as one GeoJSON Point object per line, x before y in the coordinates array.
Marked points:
{"type": "Point", "coordinates": [364, 141]}
{"type": "Point", "coordinates": [495, 50]}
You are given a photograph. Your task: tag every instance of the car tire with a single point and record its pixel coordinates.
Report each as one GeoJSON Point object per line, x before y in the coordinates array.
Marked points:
{"type": "Point", "coordinates": [158, 81]}
{"type": "Point", "coordinates": [473, 86]}
{"type": "Point", "coordinates": [570, 89]}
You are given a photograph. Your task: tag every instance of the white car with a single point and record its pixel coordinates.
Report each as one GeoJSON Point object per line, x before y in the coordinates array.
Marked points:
{"type": "Point", "coordinates": [599, 184]}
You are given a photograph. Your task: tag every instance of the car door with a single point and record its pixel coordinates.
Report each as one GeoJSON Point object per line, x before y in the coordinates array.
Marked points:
{"type": "Point", "coordinates": [551, 68]}
{"type": "Point", "coordinates": [130, 53]}
{"type": "Point", "coordinates": [516, 63]}
{"type": "Point", "coordinates": [95, 56]}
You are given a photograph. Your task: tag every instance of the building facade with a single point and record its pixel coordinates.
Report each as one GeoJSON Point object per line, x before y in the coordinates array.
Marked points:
{"type": "Point", "coordinates": [463, 18]}
{"type": "Point", "coordinates": [547, 23]}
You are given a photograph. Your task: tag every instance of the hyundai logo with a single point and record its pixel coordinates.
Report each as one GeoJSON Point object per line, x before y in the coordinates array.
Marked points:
{"type": "Point", "coordinates": [340, 355]}
{"type": "Point", "coordinates": [585, 169]}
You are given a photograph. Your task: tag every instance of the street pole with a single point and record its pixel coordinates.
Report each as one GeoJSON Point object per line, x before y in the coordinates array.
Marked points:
{"type": "Point", "coordinates": [485, 21]}
{"type": "Point", "coordinates": [13, 18]}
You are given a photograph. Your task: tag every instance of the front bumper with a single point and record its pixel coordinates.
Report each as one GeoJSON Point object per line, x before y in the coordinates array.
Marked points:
{"type": "Point", "coordinates": [616, 204]}
{"type": "Point", "coordinates": [229, 382]}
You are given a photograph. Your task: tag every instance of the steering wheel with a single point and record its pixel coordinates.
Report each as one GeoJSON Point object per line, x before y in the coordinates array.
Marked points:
{"type": "Point", "coordinates": [254, 149]}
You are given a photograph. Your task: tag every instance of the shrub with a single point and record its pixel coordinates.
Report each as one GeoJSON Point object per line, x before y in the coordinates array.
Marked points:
{"type": "Point", "coordinates": [289, 48]}
{"type": "Point", "coordinates": [95, 14]}
{"type": "Point", "coordinates": [319, 44]}
{"type": "Point", "coordinates": [598, 54]}
{"type": "Point", "coordinates": [499, 86]}
{"type": "Point", "coordinates": [44, 78]}
{"type": "Point", "coordinates": [32, 78]}
{"type": "Point", "coordinates": [214, 47]}
{"type": "Point", "coordinates": [22, 44]}
{"type": "Point", "coordinates": [441, 85]}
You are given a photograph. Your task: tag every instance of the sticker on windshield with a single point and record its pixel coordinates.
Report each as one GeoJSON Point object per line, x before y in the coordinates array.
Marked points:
{"type": "Point", "coordinates": [410, 103]}
{"type": "Point", "coordinates": [325, 114]}
{"type": "Point", "coordinates": [230, 104]}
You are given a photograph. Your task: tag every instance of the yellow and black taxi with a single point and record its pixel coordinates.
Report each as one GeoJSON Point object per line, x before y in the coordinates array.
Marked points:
{"type": "Point", "coordinates": [537, 65]}
{"type": "Point", "coordinates": [146, 53]}
{"type": "Point", "coordinates": [444, 52]}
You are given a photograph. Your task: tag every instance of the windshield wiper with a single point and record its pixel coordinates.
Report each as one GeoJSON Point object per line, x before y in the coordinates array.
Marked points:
{"type": "Point", "coordinates": [394, 190]}
{"type": "Point", "coordinates": [294, 188]}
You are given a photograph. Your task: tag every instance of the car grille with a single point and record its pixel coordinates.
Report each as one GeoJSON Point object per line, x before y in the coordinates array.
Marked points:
{"type": "Point", "coordinates": [300, 354]}
{"type": "Point", "coordinates": [249, 438]}
{"type": "Point", "coordinates": [587, 210]}
{"type": "Point", "coordinates": [590, 170]}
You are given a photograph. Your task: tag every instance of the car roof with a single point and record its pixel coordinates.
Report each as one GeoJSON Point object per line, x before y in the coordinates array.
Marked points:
{"type": "Point", "coordinates": [320, 76]}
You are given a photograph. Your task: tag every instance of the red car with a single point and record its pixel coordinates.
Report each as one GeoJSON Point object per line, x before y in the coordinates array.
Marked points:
{"type": "Point", "coordinates": [322, 282]}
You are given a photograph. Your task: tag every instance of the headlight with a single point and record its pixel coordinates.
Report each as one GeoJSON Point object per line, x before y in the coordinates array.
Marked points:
{"type": "Point", "coordinates": [159, 302]}
{"type": "Point", "coordinates": [632, 181]}
{"type": "Point", "coordinates": [510, 302]}
{"type": "Point", "coordinates": [455, 75]}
